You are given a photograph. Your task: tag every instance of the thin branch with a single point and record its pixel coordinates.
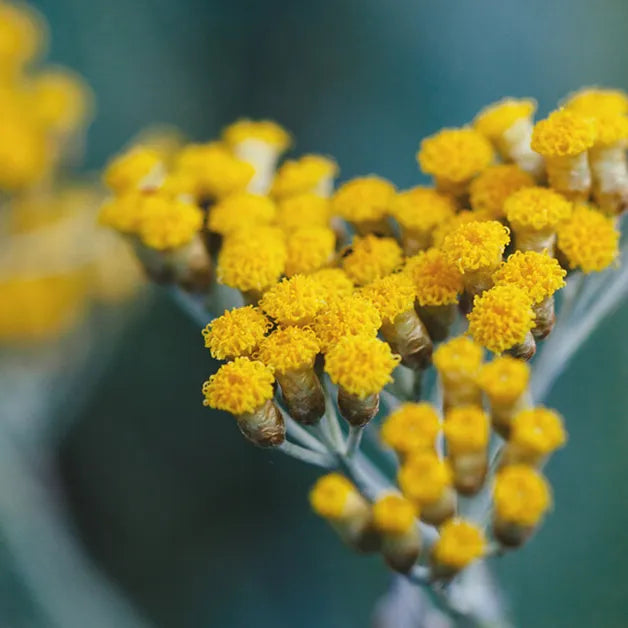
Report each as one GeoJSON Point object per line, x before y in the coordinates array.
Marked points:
{"type": "Point", "coordinates": [353, 440]}
{"type": "Point", "coordinates": [306, 455]}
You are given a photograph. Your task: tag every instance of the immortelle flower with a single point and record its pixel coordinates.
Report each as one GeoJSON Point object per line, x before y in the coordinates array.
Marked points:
{"type": "Point", "coordinates": [437, 285]}
{"type": "Point", "coordinates": [540, 276]}
{"type": "Point", "coordinates": [336, 499]}
{"type": "Point", "coordinates": [534, 435]}
{"type": "Point", "coordinates": [534, 215]}
{"type": "Point", "coordinates": [508, 125]}
{"type": "Point", "coordinates": [467, 432]}
{"type": "Point", "coordinates": [303, 210]}
{"type": "Point", "coordinates": [334, 282]}
{"type": "Point", "coordinates": [453, 157]}
{"type": "Point", "coordinates": [290, 352]}
{"type": "Point", "coordinates": [403, 330]}
{"type": "Point", "coordinates": [370, 258]}
{"type": "Point", "coordinates": [598, 100]}
{"type": "Point", "coordinates": [361, 366]}
{"type": "Point", "coordinates": [419, 211]}
{"type": "Point", "coordinates": [426, 481]}
{"type": "Point", "coordinates": [504, 381]}
{"type": "Point", "coordinates": [244, 388]}
{"type": "Point", "coordinates": [240, 210]}
{"type": "Point", "coordinates": [294, 301]}
{"type": "Point", "coordinates": [238, 332]}
{"type": "Point", "coordinates": [21, 37]}
{"type": "Point", "coordinates": [138, 168]}
{"type": "Point", "coordinates": [489, 190]}
{"type": "Point", "coordinates": [522, 496]}
{"type": "Point", "coordinates": [310, 174]}
{"type": "Point", "coordinates": [458, 362]}
{"type": "Point", "coordinates": [563, 139]}
{"type": "Point", "coordinates": [259, 143]}
{"type": "Point", "coordinates": [589, 240]}
{"type": "Point", "coordinates": [476, 249]}
{"type": "Point", "coordinates": [502, 319]}
{"type": "Point", "coordinates": [411, 428]}
{"type": "Point", "coordinates": [364, 202]}
{"type": "Point", "coordinates": [460, 543]}
{"type": "Point", "coordinates": [395, 518]}
{"type": "Point", "coordinates": [461, 218]}
{"type": "Point", "coordinates": [309, 249]}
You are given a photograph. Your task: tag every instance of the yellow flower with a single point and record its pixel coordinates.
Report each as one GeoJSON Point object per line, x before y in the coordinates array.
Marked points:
{"type": "Point", "coordinates": [294, 301]}
{"type": "Point", "coordinates": [424, 477]}
{"type": "Point", "coordinates": [391, 295]}
{"type": "Point", "coordinates": [261, 130]}
{"type": "Point", "coordinates": [309, 249]}
{"type": "Point", "coordinates": [436, 281]}
{"type": "Point", "coordinates": [504, 379]}
{"type": "Point", "coordinates": [459, 544]}
{"type": "Point", "coordinates": [458, 356]}
{"type": "Point", "coordinates": [371, 257]}
{"type": "Point", "coordinates": [240, 210]}
{"type": "Point", "coordinates": [303, 210]}
{"type": "Point", "coordinates": [538, 430]}
{"type": "Point", "coordinates": [330, 495]}
{"type": "Point", "coordinates": [422, 209]}
{"type": "Point", "coordinates": [123, 213]}
{"type": "Point", "coordinates": [289, 349]}
{"type": "Point", "coordinates": [594, 101]}
{"type": "Point", "coordinates": [303, 175]}
{"type": "Point", "coordinates": [461, 218]}
{"type": "Point", "coordinates": [493, 121]}
{"type": "Point", "coordinates": [466, 429]}
{"type": "Point", "coordinates": [125, 172]}
{"type": "Point", "coordinates": [21, 36]}
{"type": "Point", "coordinates": [521, 494]}
{"type": "Point", "coordinates": [536, 208]}
{"type": "Point", "coordinates": [363, 199]}
{"type": "Point", "coordinates": [334, 282]}
{"type": "Point", "coordinates": [392, 514]}
{"type": "Point", "coordinates": [411, 427]}
{"type": "Point", "coordinates": [563, 133]}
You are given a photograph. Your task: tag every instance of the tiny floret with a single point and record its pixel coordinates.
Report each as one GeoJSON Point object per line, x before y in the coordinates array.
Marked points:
{"type": "Point", "coordinates": [563, 133]}
{"type": "Point", "coordinates": [334, 281]}
{"type": "Point", "coordinates": [436, 280]}
{"type": "Point", "coordinates": [330, 495]}
{"type": "Point", "coordinates": [537, 209]}
{"type": "Point", "coordinates": [123, 213]}
{"type": "Point", "coordinates": [264, 131]}
{"type": "Point", "coordinates": [240, 210]}
{"type": "Point", "coordinates": [371, 257]}
{"type": "Point", "coordinates": [493, 121]}
{"type": "Point", "coordinates": [521, 494]}
{"type": "Point", "coordinates": [491, 188]}
{"type": "Point", "coordinates": [424, 477]}
{"type": "Point", "coordinates": [309, 249]}
{"type": "Point", "coordinates": [504, 379]}
{"type": "Point", "coordinates": [303, 175]}
{"type": "Point", "coordinates": [127, 171]}
{"type": "Point", "coordinates": [303, 210]}
{"type": "Point", "coordinates": [466, 429]}
{"type": "Point", "coordinates": [168, 223]}
{"type": "Point", "coordinates": [411, 428]}
{"type": "Point", "coordinates": [422, 209]}
{"type": "Point", "coordinates": [459, 544]}
{"type": "Point", "coordinates": [459, 355]}
{"type": "Point", "coordinates": [363, 199]}
{"type": "Point", "coordinates": [294, 301]}
{"type": "Point", "coordinates": [391, 295]}
{"type": "Point", "coordinates": [361, 365]}
{"type": "Point", "coordinates": [289, 349]}
{"type": "Point", "coordinates": [538, 430]}
{"type": "Point", "coordinates": [392, 514]}
{"type": "Point", "coordinates": [239, 387]}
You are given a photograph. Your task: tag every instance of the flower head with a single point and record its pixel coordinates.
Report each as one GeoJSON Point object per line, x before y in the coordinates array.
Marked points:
{"type": "Point", "coordinates": [491, 188]}
{"type": "Point", "coordinates": [289, 349]}
{"type": "Point", "coordinates": [239, 387]}
{"type": "Point", "coordinates": [461, 218]}
{"type": "Point", "coordinates": [349, 316]}
{"type": "Point", "coordinates": [436, 281]}
{"type": "Point", "coordinates": [466, 429]}
{"type": "Point", "coordinates": [392, 514]}
{"type": "Point", "coordinates": [424, 477]}
{"type": "Point", "coordinates": [537, 273]}
{"type": "Point", "coordinates": [504, 379]}
{"type": "Point", "coordinates": [361, 365]}
{"type": "Point", "coordinates": [410, 428]}
{"type": "Point", "coordinates": [493, 121]}
{"type": "Point", "coordinates": [21, 36]}
{"type": "Point", "coordinates": [309, 249]}
{"type": "Point", "coordinates": [521, 494]}
{"type": "Point", "coordinates": [123, 213]}
{"type": "Point", "coordinates": [391, 295]}
{"type": "Point", "coordinates": [563, 133]}
{"type": "Point", "coordinates": [303, 175]}
{"type": "Point", "coordinates": [458, 356]}
{"type": "Point", "coordinates": [334, 281]}
{"type": "Point", "coordinates": [459, 544]}
{"type": "Point", "coordinates": [422, 209]}
{"type": "Point", "coordinates": [264, 131]}
{"type": "Point", "coordinates": [455, 154]}
{"type": "Point", "coordinates": [501, 318]}
{"type": "Point", "coordinates": [371, 257]}
{"type": "Point", "coordinates": [611, 129]}
{"type": "Point", "coordinates": [589, 240]}
{"type": "Point", "coordinates": [303, 210]}
{"type": "Point", "coordinates": [536, 208]}
{"type": "Point", "coordinates": [125, 172]}
{"type": "Point", "coordinates": [294, 301]}
{"type": "Point", "coordinates": [538, 430]}
{"type": "Point", "coordinates": [236, 333]}
{"type": "Point", "coordinates": [363, 199]}
{"type": "Point", "coordinates": [330, 495]}
{"type": "Point", "coordinates": [168, 223]}
{"type": "Point", "coordinates": [240, 210]}
{"type": "Point", "coordinates": [594, 101]}
{"type": "Point", "coordinates": [476, 245]}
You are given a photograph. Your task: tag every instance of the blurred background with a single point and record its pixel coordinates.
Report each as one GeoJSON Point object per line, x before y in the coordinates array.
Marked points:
{"type": "Point", "coordinates": [191, 525]}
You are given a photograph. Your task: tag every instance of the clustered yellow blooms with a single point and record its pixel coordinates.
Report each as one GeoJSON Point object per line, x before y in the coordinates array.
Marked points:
{"type": "Point", "coordinates": [342, 289]}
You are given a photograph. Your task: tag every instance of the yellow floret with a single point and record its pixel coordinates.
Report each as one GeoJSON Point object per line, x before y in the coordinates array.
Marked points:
{"type": "Point", "coordinates": [239, 387]}
{"type": "Point", "coordinates": [493, 121]}
{"type": "Point", "coordinates": [594, 101]}
{"type": "Point", "coordinates": [363, 199]}
{"type": "Point", "coordinates": [476, 245]}
{"type": "Point", "coordinates": [411, 428]}
{"type": "Point", "coordinates": [261, 130]}
{"type": "Point", "coordinates": [521, 495]}
{"type": "Point", "coordinates": [563, 133]}
{"type": "Point", "coordinates": [466, 429]}
{"type": "Point", "coordinates": [391, 295]}
{"type": "Point", "coordinates": [125, 172]}
{"type": "Point", "coordinates": [294, 301]}
{"type": "Point", "coordinates": [611, 129]}
{"type": "Point", "coordinates": [240, 210]}
{"type": "Point", "coordinates": [504, 379]}
{"type": "Point", "coordinates": [537, 209]}
{"type": "Point", "coordinates": [461, 218]}
{"type": "Point", "coordinates": [289, 349]}
{"type": "Point", "coordinates": [123, 213]}
{"type": "Point", "coordinates": [538, 430]}
{"type": "Point", "coordinates": [589, 240]}
{"type": "Point", "coordinates": [362, 365]}
{"type": "Point", "coordinates": [537, 273]}
{"type": "Point", "coordinates": [309, 249]}
{"type": "Point", "coordinates": [252, 259]}
{"type": "Point", "coordinates": [330, 495]}
{"type": "Point", "coordinates": [458, 356]}
{"type": "Point", "coordinates": [501, 318]}
{"type": "Point", "coordinates": [334, 282]}
{"type": "Point", "coordinates": [459, 544]}
{"type": "Point", "coordinates": [236, 333]}
{"type": "Point", "coordinates": [303, 175]}
{"type": "Point", "coordinates": [491, 188]}
{"type": "Point", "coordinates": [371, 257]}
{"type": "Point", "coordinates": [424, 477]}
{"type": "Point", "coordinates": [436, 281]}
{"type": "Point", "coordinates": [422, 209]}
{"type": "Point", "coordinates": [349, 316]}
{"type": "Point", "coordinates": [455, 155]}
{"type": "Point", "coordinates": [303, 210]}
{"type": "Point", "coordinates": [392, 514]}
{"type": "Point", "coordinates": [168, 223]}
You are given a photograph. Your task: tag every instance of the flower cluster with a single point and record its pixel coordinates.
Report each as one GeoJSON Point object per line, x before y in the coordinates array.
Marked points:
{"type": "Point", "coordinates": [357, 290]}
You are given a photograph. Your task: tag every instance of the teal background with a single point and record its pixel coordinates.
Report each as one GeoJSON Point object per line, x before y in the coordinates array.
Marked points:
{"type": "Point", "coordinates": [199, 528]}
